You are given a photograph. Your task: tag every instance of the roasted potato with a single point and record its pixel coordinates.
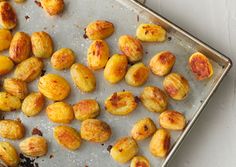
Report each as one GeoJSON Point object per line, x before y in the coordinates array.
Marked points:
{"type": "Point", "coordinates": [115, 69]}
{"type": "Point", "coordinates": [9, 102]}
{"type": "Point", "coordinates": [12, 129]}
{"type": "Point", "coordinates": [53, 7]}
{"type": "Point", "coordinates": [19, 1]}
{"type": "Point", "coordinates": [176, 86]}
{"type": "Point", "coordinates": [7, 16]}
{"type": "Point", "coordinates": [5, 39]}
{"type": "Point", "coordinates": [139, 161]}
{"type": "Point", "coordinates": [6, 65]}
{"type": "Point", "coordinates": [8, 154]}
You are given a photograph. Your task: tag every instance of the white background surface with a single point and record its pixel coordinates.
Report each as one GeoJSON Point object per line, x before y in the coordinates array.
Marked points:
{"type": "Point", "coordinates": [212, 142]}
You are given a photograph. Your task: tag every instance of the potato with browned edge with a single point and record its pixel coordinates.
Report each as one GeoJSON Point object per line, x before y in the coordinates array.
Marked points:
{"type": "Point", "coordinates": [7, 16]}
{"type": "Point", "coordinates": [53, 7]}
{"type": "Point", "coordinates": [6, 65]}
{"type": "Point", "coordinates": [139, 161]}
{"type": "Point", "coordinates": [5, 39]}
{"type": "Point", "coordinates": [8, 154]}
{"type": "Point", "coordinates": [9, 102]}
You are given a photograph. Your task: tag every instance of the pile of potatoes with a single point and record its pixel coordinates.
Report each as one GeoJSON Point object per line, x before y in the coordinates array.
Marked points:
{"type": "Point", "coordinates": [26, 58]}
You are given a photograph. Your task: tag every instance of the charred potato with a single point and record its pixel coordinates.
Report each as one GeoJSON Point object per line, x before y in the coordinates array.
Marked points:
{"type": "Point", "coordinates": [12, 129]}
{"type": "Point", "coordinates": [7, 16]}
{"type": "Point", "coordinates": [6, 65]}
{"type": "Point", "coordinates": [8, 154]}
{"type": "Point", "coordinates": [53, 7]}
{"type": "Point", "coordinates": [139, 161]}
{"type": "Point", "coordinates": [9, 102]}
{"type": "Point", "coordinates": [5, 39]}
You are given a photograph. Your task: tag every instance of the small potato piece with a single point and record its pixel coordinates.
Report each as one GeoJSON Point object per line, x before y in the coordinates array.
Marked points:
{"type": "Point", "coordinates": [34, 146]}
{"type": "Point", "coordinates": [160, 143]}
{"type": "Point", "coordinates": [200, 66]}
{"type": "Point", "coordinates": [8, 154]}
{"type": "Point", "coordinates": [83, 77]}
{"type": "Point", "coordinates": [63, 59]}
{"type": "Point", "coordinates": [29, 69]}
{"type": "Point", "coordinates": [67, 137]}
{"type": "Point", "coordinates": [162, 63]}
{"type": "Point", "coordinates": [151, 33]}
{"type": "Point", "coordinates": [95, 130]}
{"type": "Point", "coordinates": [9, 102]}
{"type": "Point", "coordinates": [6, 65]}
{"type": "Point", "coordinates": [116, 68]}
{"type": "Point", "coordinates": [53, 7]}
{"type": "Point", "coordinates": [33, 104]}
{"type": "Point", "coordinates": [54, 87]}
{"type": "Point", "coordinates": [5, 39]}
{"type": "Point", "coordinates": [139, 161]}
{"type": "Point", "coordinates": [98, 55]}
{"type": "Point", "coordinates": [86, 109]}
{"type": "Point", "coordinates": [120, 103]}
{"type": "Point", "coordinates": [124, 149]}
{"type": "Point", "coordinates": [131, 47]}
{"type": "Point", "coordinates": [137, 74]}
{"type": "Point", "coordinates": [143, 129]}
{"type": "Point", "coordinates": [99, 29]}
{"type": "Point", "coordinates": [42, 44]}
{"type": "Point", "coordinates": [15, 87]}
{"type": "Point", "coordinates": [154, 99]}
{"type": "Point", "coordinates": [172, 120]}
{"type": "Point", "coordinates": [7, 16]}
{"type": "Point", "coordinates": [12, 129]}
{"type": "Point", "coordinates": [60, 112]}
{"type": "Point", "coordinates": [20, 47]}
{"type": "Point", "coordinates": [176, 86]}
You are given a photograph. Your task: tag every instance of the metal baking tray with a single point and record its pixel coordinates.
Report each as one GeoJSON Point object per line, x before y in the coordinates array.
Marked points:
{"type": "Point", "coordinates": [67, 31]}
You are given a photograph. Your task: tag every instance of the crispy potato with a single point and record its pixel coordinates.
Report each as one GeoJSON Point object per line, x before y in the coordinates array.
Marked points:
{"type": "Point", "coordinates": [33, 104]}
{"type": "Point", "coordinates": [20, 47]}
{"type": "Point", "coordinates": [42, 44]}
{"type": "Point", "coordinates": [7, 16]}
{"type": "Point", "coordinates": [99, 29]}
{"type": "Point", "coordinates": [34, 146]}
{"type": "Point", "coordinates": [54, 87]}
{"type": "Point", "coordinates": [8, 154]}
{"type": "Point", "coordinates": [86, 109]}
{"type": "Point", "coordinates": [172, 120]}
{"type": "Point", "coordinates": [29, 69]}
{"type": "Point", "coordinates": [12, 129]}
{"type": "Point", "coordinates": [162, 63]}
{"type": "Point", "coordinates": [83, 77]}
{"type": "Point", "coordinates": [131, 47]}
{"type": "Point", "coordinates": [200, 66]}
{"type": "Point", "coordinates": [95, 130]}
{"type": "Point", "coordinates": [139, 161]}
{"type": "Point", "coordinates": [67, 137]}
{"type": "Point", "coordinates": [143, 129]}
{"type": "Point", "coordinates": [60, 112]}
{"type": "Point", "coordinates": [176, 86]}
{"type": "Point", "coordinates": [120, 103]}
{"type": "Point", "coordinates": [98, 54]}
{"type": "Point", "coordinates": [124, 149]}
{"type": "Point", "coordinates": [53, 7]}
{"type": "Point", "coordinates": [5, 39]}
{"type": "Point", "coordinates": [151, 33]}
{"type": "Point", "coordinates": [6, 65]}
{"type": "Point", "coordinates": [137, 74]}
{"type": "Point", "coordinates": [9, 102]}
{"type": "Point", "coordinates": [154, 99]}
{"type": "Point", "coordinates": [160, 143]}
{"type": "Point", "coordinates": [116, 68]}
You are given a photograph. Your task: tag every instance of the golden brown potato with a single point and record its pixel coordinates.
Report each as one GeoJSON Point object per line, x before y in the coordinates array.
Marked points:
{"type": "Point", "coordinates": [9, 102]}
{"type": "Point", "coordinates": [95, 130]}
{"type": "Point", "coordinates": [12, 129]}
{"type": "Point", "coordinates": [120, 103]}
{"type": "Point", "coordinates": [139, 161]}
{"type": "Point", "coordinates": [33, 104]}
{"type": "Point", "coordinates": [162, 63]}
{"type": "Point", "coordinates": [19, 1]}
{"type": "Point", "coordinates": [8, 154]}
{"type": "Point", "coordinates": [154, 99]}
{"type": "Point", "coordinates": [160, 143]}
{"type": "Point", "coordinates": [53, 7]}
{"type": "Point", "coordinates": [99, 29]}
{"type": "Point", "coordinates": [124, 149]}
{"type": "Point", "coordinates": [143, 129]}
{"type": "Point", "coordinates": [34, 146]}
{"type": "Point", "coordinates": [5, 39]}
{"type": "Point", "coordinates": [83, 77]}
{"type": "Point", "coordinates": [60, 112]}
{"type": "Point", "coordinates": [7, 16]}
{"type": "Point", "coordinates": [86, 109]}
{"type": "Point", "coordinates": [200, 66]}
{"type": "Point", "coordinates": [115, 69]}
{"type": "Point", "coordinates": [137, 74]}
{"type": "Point", "coordinates": [176, 86]}
{"type": "Point", "coordinates": [172, 120]}
{"type": "Point", "coordinates": [98, 54]}
{"type": "Point", "coordinates": [54, 87]}
{"type": "Point", "coordinates": [29, 69]}
{"type": "Point", "coordinates": [67, 137]}
{"type": "Point", "coordinates": [63, 59]}
{"type": "Point", "coordinates": [20, 47]}
{"type": "Point", "coordinates": [131, 47]}
{"type": "Point", "coordinates": [6, 65]}
{"type": "Point", "coordinates": [42, 44]}
{"type": "Point", "coordinates": [16, 87]}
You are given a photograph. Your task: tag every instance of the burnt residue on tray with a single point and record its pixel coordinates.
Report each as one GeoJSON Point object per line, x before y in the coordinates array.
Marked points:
{"type": "Point", "coordinates": [51, 156]}
{"type": "Point", "coordinates": [27, 17]}
{"type": "Point", "coordinates": [38, 3]}
{"type": "Point", "coordinates": [85, 35]}
{"type": "Point", "coordinates": [109, 148]}
{"type": "Point", "coordinates": [169, 38]}
{"type": "Point", "coordinates": [43, 73]}
{"type": "Point", "coordinates": [36, 131]}
{"type": "Point", "coordinates": [137, 99]}
{"type": "Point", "coordinates": [27, 162]}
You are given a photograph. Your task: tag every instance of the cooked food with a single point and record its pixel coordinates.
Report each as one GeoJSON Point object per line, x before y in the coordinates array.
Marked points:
{"type": "Point", "coordinates": [5, 39]}
{"type": "Point", "coordinates": [53, 7]}
{"type": "Point", "coordinates": [6, 65]}
{"type": "Point", "coordinates": [8, 154]}
{"type": "Point", "coordinates": [12, 129]}
{"type": "Point", "coordinates": [9, 102]}
{"type": "Point", "coordinates": [139, 161]}
{"type": "Point", "coordinates": [7, 16]}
